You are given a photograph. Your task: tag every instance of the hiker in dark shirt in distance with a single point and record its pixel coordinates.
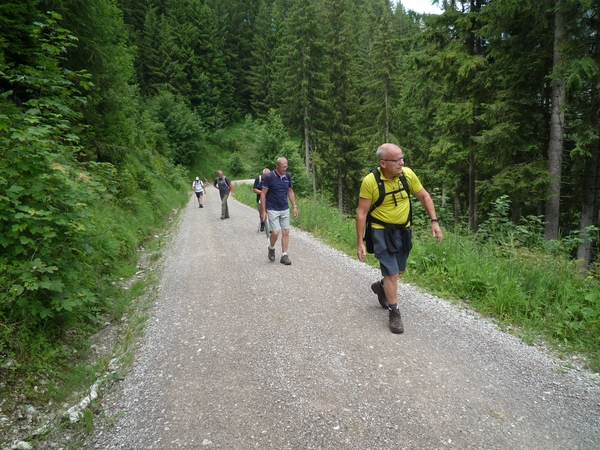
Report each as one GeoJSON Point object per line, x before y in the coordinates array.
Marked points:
{"type": "Point", "coordinates": [224, 186]}
{"type": "Point", "coordinates": [258, 183]}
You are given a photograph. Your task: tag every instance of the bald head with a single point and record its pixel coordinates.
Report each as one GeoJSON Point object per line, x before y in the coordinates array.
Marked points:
{"type": "Point", "coordinates": [384, 151]}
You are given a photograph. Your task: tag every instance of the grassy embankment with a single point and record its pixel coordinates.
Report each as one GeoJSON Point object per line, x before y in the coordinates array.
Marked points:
{"type": "Point", "coordinates": [50, 364]}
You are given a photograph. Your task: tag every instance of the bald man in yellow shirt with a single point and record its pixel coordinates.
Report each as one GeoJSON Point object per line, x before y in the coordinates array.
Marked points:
{"type": "Point", "coordinates": [390, 228]}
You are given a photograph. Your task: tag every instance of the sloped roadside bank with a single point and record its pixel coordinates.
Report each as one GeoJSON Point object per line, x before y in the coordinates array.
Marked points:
{"type": "Point", "coordinates": [28, 425]}
{"type": "Point", "coordinates": [241, 353]}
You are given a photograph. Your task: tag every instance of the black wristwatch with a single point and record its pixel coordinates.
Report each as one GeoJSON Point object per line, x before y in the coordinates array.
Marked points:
{"type": "Point", "coordinates": [435, 220]}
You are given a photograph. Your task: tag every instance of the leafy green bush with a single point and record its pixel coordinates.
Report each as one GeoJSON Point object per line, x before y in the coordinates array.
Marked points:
{"type": "Point", "coordinates": [236, 166]}
{"type": "Point", "coordinates": [183, 128]}
{"type": "Point", "coordinates": [59, 232]}
{"type": "Point", "coordinates": [44, 209]}
{"type": "Point", "coordinates": [273, 141]}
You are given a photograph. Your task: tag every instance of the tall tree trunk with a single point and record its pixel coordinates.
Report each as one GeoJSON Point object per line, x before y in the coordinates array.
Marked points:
{"type": "Point", "coordinates": [314, 180]}
{"type": "Point", "coordinates": [473, 222]}
{"type": "Point", "coordinates": [387, 115]}
{"type": "Point", "coordinates": [589, 208]}
{"type": "Point", "coordinates": [557, 124]}
{"type": "Point", "coordinates": [457, 203]}
{"type": "Point", "coordinates": [340, 183]}
{"type": "Point", "coordinates": [475, 48]}
{"type": "Point", "coordinates": [306, 141]}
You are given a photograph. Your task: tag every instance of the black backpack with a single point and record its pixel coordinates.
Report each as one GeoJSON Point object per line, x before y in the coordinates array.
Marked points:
{"type": "Point", "coordinates": [368, 237]}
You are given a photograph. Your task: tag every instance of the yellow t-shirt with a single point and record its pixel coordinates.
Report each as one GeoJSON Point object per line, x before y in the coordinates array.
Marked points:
{"type": "Point", "coordinates": [389, 211]}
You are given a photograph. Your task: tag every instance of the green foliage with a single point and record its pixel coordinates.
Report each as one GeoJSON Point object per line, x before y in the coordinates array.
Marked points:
{"type": "Point", "coordinates": [111, 103]}
{"type": "Point", "coordinates": [16, 32]}
{"type": "Point", "coordinates": [183, 128]}
{"type": "Point", "coordinates": [164, 67]}
{"type": "Point", "coordinates": [88, 420]}
{"type": "Point", "coordinates": [235, 21]}
{"type": "Point", "coordinates": [379, 62]}
{"type": "Point", "coordinates": [529, 232]}
{"type": "Point", "coordinates": [499, 229]}
{"type": "Point", "coordinates": [44, 209]}
{"type": "Point", "coordinates": [272, 142]}
{"type": "Point", "coordinates": [301, 72]}
{"type": "Point", "coordinates": [68, 223]}
{"type": "Point", "coordinates": [220, 147]}
{"type": "Point", "coordinates": [421, 218]}
{"type": "Point", "coordinates": [337, 141]}
{"type": "Point", "coordinates": [236, 166]}
{"type": "Point", "coordinates": [262, 75]}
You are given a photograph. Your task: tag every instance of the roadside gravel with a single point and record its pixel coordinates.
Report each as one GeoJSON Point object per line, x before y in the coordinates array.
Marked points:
{"type": "Point", "coordinates": [243, 353]}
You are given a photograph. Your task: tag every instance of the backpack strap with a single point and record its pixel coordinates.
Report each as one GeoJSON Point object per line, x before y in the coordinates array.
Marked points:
{"type": "Point", "coordinates": [382, 195]}
{"type": "Point", "coordinates": [381, 187]}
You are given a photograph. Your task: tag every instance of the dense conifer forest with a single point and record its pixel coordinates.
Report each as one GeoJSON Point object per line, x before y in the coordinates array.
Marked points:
{"type": "Point", "coordinates": [106, 105]}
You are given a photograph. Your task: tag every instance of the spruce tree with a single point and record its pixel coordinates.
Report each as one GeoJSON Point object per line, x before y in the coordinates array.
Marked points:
{"type": "Point", "coordinates": [262, 68]}
{"type": "Point", "coordinates": [301, 75]}
{"type": "Point", "coordinates": [212, 92]}
{"type": "Point", "coordinates": [339, 119]}
{"type": "Point", "coordinates": [515, 116]}
{"type": "Point", "coordinates": [456, 62]}
{"type": "Point", "coordinates": [557, 123]}
{"type": "Point", "coordinates": [581, 170]}
{"type": "Point", "coordinates": [378, 73]}
{"type": "Point", "coordinates": [236, 21]}
{"type": "Point", "coordinates": [16, 31]}
{"type": "Point", "coordinates": [162, 69]}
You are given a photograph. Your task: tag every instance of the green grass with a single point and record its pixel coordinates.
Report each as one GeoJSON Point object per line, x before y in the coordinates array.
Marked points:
{"type": "Point", "coordinates": [541, 294]}
{"type": "Point", "coordinates": [535, 293]}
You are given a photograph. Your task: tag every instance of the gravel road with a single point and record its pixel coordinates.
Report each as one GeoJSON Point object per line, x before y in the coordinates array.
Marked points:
{"type": "Point", "coordinates": [242, 353]}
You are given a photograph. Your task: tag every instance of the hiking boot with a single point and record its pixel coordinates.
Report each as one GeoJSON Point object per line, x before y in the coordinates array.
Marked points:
{"type": "Point", "coordinates": [271, 254]}
{"type": "Point", "coordinates": [377, 288]}
{"type": "Point", "coordinates": [201, 206]}
{"type": "Point", "coordinates": [396, 325]}
{"type": "Point", "coordinates": [262, 226]}
{"type": "Point", "coordinates": [285, 260]}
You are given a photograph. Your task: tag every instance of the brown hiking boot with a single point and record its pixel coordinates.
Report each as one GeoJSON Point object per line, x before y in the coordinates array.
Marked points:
{"type": "Point", "coordinates": [396, 325]}
{"type": "Point", "coordinates": [377, 288]}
